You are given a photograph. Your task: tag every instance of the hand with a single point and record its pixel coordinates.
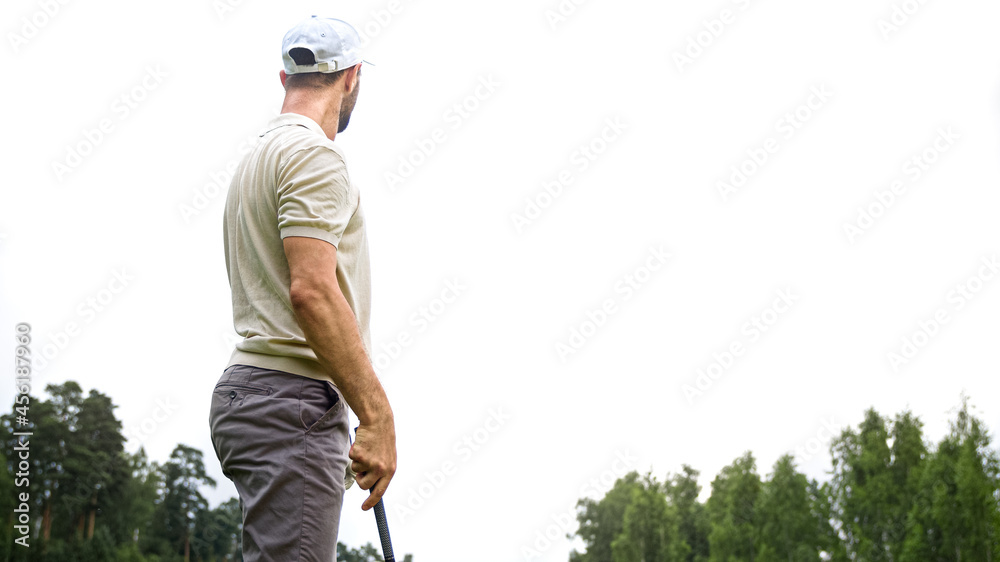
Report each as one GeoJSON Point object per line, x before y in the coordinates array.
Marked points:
{"type": "Point", "coordinates": [373, 457]}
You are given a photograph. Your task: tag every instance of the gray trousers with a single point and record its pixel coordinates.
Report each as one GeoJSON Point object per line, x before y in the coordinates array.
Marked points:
{"type": "Point", "coordinates": [283, 440]}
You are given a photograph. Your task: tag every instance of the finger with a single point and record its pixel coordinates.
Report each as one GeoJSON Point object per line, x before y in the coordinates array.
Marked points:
{"type": "Point", "coordinates": [366, 480]}
{"type": "Point", "coordinates": [359, 461]}
{"type": "Point", "coordinates": [377, 491]}
{"type": "Point", "coordinates": [355, 453]}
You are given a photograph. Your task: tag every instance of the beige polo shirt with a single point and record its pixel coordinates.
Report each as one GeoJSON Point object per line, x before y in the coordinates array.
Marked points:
{"type": "Point", "coordinates": [294, 182]}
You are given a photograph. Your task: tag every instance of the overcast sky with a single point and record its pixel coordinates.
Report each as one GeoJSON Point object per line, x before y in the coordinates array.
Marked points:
{"type": "Point", "coordinates": [605, 236]}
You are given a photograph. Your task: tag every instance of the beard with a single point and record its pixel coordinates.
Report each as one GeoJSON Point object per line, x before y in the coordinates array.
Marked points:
{"type": "Point", "coordinates": [347, 107]}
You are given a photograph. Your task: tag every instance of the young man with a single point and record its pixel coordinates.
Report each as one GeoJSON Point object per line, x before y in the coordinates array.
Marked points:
{"type": "Point", "coordinates": [297, 257]}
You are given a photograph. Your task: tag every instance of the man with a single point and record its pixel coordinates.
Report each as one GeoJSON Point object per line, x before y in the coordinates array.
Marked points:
{"type": "Point", "coordinates": [297, 257]}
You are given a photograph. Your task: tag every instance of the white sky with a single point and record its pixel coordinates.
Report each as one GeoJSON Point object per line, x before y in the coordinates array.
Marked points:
{"type": "Point", "coordinates": [141, 202]}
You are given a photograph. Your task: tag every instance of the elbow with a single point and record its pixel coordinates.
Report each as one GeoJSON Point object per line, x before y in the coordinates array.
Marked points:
{"type": "Point", "coordinates": [306, 296]}
{"type": "Point", "coordinates": [303, 296]}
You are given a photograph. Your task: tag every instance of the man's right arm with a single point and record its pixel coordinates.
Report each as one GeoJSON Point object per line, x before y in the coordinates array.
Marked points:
{"type": "Point", "coordinates": [332, 332]}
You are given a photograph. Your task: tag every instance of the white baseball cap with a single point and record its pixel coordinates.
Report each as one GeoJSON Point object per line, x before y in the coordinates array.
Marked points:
{"type": "Point", "coordinates": [334, 44]}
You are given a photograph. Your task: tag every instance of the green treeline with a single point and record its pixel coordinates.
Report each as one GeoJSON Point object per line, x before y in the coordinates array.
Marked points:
{"type": "Point", "coordinates": [90, 500]}
{"type": "Point", "coordinates": [890, 497]}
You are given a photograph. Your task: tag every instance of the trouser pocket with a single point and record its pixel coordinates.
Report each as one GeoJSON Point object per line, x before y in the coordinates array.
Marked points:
{"type": "Point", "coordinates": [319, 401]}
{"type": "Point", "coordinates": [236, 393]}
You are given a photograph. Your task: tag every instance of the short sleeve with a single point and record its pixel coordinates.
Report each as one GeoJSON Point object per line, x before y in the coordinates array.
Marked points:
{"type": "Point", "coordinates": [315, 199]}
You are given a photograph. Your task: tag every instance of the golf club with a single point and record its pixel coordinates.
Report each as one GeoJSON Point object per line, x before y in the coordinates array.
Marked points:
{"type": "Point", "coordinates": [383, 532]}
{"type": "Point", "coordinates": [383, 527]}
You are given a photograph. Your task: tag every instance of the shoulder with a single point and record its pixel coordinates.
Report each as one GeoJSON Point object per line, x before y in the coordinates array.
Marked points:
{"type": "Point", "coordinates": [297, 136]}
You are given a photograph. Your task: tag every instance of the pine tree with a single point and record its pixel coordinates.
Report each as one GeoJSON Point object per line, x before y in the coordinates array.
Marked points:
{"type": "Point", "coordinates": [683, 490]}
{"type": "Point", "coordinates": [863, 488]}
{"type": "Point", "coordinates": [601, 521]}
{"type": "Point", "coordinates": [649, 531]}
{"type": "Point", "coordinates": [954, 514]}
{"type": "Point", "coordinates": [183, 475]}
{"type": "Point", "coordinates": [732, 511]}
{"type": "Point", "coordinates": [788, 529]}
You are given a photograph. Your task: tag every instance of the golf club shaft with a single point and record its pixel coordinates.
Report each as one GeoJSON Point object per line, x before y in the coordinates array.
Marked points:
{"type": "Point", "coordinates": [383, 532]}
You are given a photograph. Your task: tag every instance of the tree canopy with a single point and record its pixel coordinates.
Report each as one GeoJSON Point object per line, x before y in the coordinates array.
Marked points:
{"type": "Point", "coordinates": [890, 496]}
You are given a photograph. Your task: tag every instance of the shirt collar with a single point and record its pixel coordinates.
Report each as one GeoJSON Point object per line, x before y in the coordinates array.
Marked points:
{"type": "Point", "coordinates": [286, 119]}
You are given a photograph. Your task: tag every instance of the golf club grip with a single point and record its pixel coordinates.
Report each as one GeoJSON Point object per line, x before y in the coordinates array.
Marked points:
{"type": "Point", "coordinates": [383, 532]}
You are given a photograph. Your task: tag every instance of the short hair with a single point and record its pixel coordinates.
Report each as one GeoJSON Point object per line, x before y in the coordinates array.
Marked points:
{"type": "Point", "coordinates": [310, 80]}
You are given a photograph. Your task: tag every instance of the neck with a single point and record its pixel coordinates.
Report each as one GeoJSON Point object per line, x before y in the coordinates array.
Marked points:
{"type": "Point", "coordinates": [323, 110]}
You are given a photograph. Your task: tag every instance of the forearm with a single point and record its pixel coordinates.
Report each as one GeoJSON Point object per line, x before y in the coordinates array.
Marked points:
{"type": "Point", "coordinates": [331, 331]}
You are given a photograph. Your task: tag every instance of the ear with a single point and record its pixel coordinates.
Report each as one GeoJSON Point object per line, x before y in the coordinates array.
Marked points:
{"type": "Point", "coordinates": [351, 77]}
{"type": "Point", "coordinates": [283, 77]}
